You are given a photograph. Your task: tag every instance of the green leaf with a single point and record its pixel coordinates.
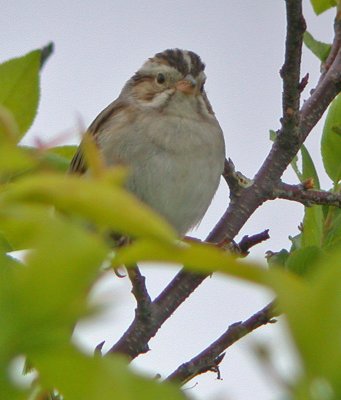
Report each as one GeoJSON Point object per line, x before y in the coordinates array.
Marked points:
{"type": "Point", "coordinates": [277, 259]}
{"type": "Point", "coordinates": [272, 135]}
{"type": "Point", "coordinates": [40, 304]}
{"type": "Point", "coordinates": [313, 314]}
{"type": "Point", "coordinates": [98, 201]}
{"type": "Point", "coordinates": [77, 376]}
{"type": "Point", "coordinates": [58, 157]}
{"type": "Point", "coordinates": [308, 168]}
{"type": "Point", "coordinates": [49, 295]}
{"type": "Point", "coordinates": [303, 261]}
{"type": "Point", "coordinates": [320, 6]}
{"type": "Point", "coordinates": [312, 234]}
{"type": "Point", "coordinates": [197, 257]}
{"type": "Point", "coordinates": [66, 152]}
{"type": "Point", "coordinates": [13, 159]}
{"type": "Point", "coordinates": [320, 49]}
{"type": "Point", "coordinates": [19, 88]}
{"type": "Point", "coordinates": [331, 141]}
{"type": "Point", "coordinates": [332, 238]}
{"type": "Point", "coordinates": [295, 242]}
{"type": "Point", "coordinates": [4, 244]}
{"type": "Point", "coordinates": [294, 166]}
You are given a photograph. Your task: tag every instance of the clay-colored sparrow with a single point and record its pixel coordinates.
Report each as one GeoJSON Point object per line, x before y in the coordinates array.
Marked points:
{"type": "Point", "coordinates": [163, 127]}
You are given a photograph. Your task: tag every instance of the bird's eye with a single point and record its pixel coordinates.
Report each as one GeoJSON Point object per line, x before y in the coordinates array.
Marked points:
{"type": "Point", "coordinates": [202, 87]}
{"type": "Point", "coordinates": [160, 78]}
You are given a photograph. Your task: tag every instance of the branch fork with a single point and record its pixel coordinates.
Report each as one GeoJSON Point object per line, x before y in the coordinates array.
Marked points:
{"type": "Point", "coordinates": [296, 124]}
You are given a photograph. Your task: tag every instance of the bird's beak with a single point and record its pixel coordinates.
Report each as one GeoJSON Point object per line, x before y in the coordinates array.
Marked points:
{"type": "Point", "coordinates": [187, 85]}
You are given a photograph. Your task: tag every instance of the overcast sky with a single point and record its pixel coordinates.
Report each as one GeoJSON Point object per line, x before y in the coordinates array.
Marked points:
{"type": "Point", "coordinates": [98, 46]}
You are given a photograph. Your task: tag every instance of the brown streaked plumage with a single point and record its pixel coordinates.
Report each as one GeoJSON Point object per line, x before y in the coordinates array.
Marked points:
{"type": "Point", "coordinates": [163, 128]}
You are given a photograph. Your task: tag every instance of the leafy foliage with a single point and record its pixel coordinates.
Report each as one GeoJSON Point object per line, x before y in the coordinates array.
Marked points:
{"type": "Point", "coordinates": [320, 49]}
{"type": "Point", "coordinates": [19, 90]}
{"type": "Point", "coordinates": [331, 141]}
{"type": "Point", "coordinates": [63, 221]}
{"type": "Point", "coordinates": [66, 222]}
{"type": "Point", "coordinates": [320, 6]}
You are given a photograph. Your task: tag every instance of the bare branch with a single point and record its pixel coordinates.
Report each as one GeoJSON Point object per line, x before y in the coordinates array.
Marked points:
{"type": "Point", "coordinates": [336, 43]}
{"type": "Point", "coordinates": [135, 339]}
{"type": "Point", "coordinates": [290, 72]}
{"type": "Point", "coordinates": [230, 177]}
{"type": "Point", "coordinates": [211, 356]}
{"type": "Point", "coordinates": [249, 241]}
{"type": "Point", "coordinates": [139, 290]}
{"type": "Point", "coordinates": [307, 197]}
{"type": "Point", "coordinates": [289, 139]}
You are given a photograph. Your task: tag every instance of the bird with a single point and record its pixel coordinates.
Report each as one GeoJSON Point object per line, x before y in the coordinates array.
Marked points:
{"type": "Point", "coordinates": [163, 129]}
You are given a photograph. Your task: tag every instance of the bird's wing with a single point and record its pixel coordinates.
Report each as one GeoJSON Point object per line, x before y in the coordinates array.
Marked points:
{"type": "Point", "coordinates": [78, 162]}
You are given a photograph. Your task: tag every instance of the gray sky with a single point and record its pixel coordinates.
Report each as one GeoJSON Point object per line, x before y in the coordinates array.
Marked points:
{"type": "Point", "coordinates": [99, 45]}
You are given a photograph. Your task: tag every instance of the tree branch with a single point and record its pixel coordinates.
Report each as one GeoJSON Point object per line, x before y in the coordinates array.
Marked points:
{"type": "Point", "coordinates": [307, 197]}
{"type": "Point", "coordinates": [249, 241]}
{"type": "Point", "coordinates": [296, 125]}
{"type": "Point", "coordinates": [209, 359]}
{"type": "Point", "coordinates": [286, 145]}
{"type": "Point", "coordinates": [139, 290]}
{"type": "Point", "coordinates": [336, 43]}
{"type": "Point", "coordinates": [135, 340]}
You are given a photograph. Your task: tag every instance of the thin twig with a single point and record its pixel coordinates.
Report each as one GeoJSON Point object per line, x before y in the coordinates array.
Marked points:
{"type": "Point", "coordinates": [290, 72]}
{"type": "Point", "coordinates": [307, 197]}
{"type": "Point", "coordinates": [205, 360]}
{"type": "Point", "coordinates": [140, 292]}
{"type": "Point", "coordinates": [336, 43]}
{"type": "Point", "coordinates": [231, 179]}
{"type": "Point", "coordinates": [249, 241]}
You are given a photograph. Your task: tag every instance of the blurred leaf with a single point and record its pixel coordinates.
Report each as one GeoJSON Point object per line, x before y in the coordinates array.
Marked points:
{"type": "Point", "coordinates": [55, 161]}
{"type": "Point", "coordinates": [12, 157]}
{"type": "Point", "coordinates": [312, 234]}
{"type": "Point", "coordinates": [198, 257]}
{"type": "Point", "coordinates": [66, 152]}
{"type": "Point", "coordinates": [86, 378]}
{"type": "Point", "coordinates": [46, 298]}
{"type": "Point", "coordinates": [303, 261]}
{"type": "Point", "coordinates": [295, 242]}
{"type": "Point", "coordinates": [308, 168]}
{"type": "Point", "coordinates": [58, 157]}
{"type": "Point", "coordinates": [320, 49]}
{"type": "Point", "coordinates": [320, 6]}
{"type": "Point", "coordinates": [23, 237]}
{"type": "Point", "coordinates": [278, 259]}
{"type": "Point", "coordinates": [40, 303]}
{"type": "Point", "coordinates": [7, 391]}
{"type": "Point", "coordinates": [314, 317]}
{"type": "Point", "coordinates": [332, 238]}
{"type": "Point", "coordinates": [99, 201]}
{"type": "Point", "coordinates": [331, 141]}
{"type": "Point", "coordinates": [19, 88]}
{"type": "Point", "coordinates": [5, 247]}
